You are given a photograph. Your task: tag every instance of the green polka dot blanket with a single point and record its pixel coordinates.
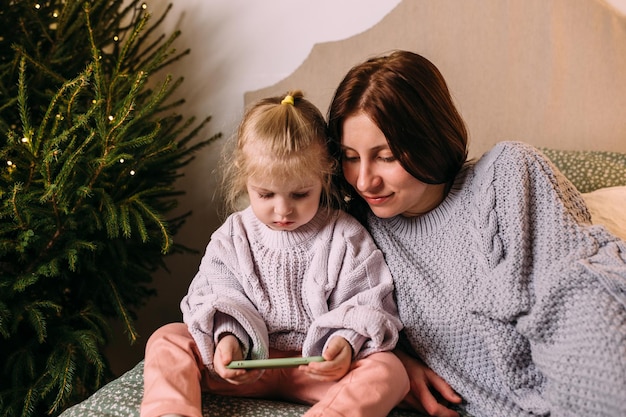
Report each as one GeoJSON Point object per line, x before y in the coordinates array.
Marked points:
{"type": "Point", "coordinates": [122, 397]}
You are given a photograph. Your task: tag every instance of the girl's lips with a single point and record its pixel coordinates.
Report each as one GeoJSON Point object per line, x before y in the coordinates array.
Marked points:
{"type": "Point", "coordinates": [283, 224]}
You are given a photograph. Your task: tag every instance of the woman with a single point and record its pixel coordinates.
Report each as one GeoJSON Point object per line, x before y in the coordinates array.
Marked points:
{"type": "Point", "coordinates": [505, 290]}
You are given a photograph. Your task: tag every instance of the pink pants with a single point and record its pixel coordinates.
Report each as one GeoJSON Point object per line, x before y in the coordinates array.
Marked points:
{"type": "Point", "coordinates": [174, 378]}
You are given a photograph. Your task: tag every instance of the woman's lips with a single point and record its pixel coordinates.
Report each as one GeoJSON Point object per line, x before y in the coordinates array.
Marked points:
{"type": "Point", "coordinates": [376, 200]}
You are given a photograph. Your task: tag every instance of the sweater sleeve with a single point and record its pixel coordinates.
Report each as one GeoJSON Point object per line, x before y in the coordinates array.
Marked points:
{"type": "Point", "coordinates": [216, 302]}
{"type": "Point", "coordinates": [360, 304]}
{"type": "Point", "coordinates": [559, 282]}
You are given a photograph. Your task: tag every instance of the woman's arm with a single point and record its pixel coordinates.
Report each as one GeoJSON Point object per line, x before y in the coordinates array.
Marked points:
{"type": "Point", "coordinates": [429, 393]}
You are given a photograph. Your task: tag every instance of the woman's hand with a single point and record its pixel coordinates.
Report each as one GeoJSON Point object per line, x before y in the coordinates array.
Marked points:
{"type": "Point", "coordinates": [427, 389]}
{"type": "Point", "coordinates": [227, 350]}
{"type": "Point", "coordinates": [338, 358]}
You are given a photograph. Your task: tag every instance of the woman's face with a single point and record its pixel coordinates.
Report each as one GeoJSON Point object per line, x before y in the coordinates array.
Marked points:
{"type": "Point", "coordinates": [370, 167]}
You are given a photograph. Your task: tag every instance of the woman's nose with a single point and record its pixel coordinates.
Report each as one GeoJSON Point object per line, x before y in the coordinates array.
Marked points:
{"type": "Point", "coordinates": [367, 179]}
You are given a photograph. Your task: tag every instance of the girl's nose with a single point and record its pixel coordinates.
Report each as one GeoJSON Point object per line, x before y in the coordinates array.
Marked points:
{"type": "Point", "coordinates": [282, 207]}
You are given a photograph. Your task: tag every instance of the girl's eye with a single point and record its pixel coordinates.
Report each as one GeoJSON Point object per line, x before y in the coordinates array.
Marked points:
{"type": "Point", "coordinates": [299, 196]}
{"type": "Point", "coordinates": [266, 195]}
{"type": "Point", "coordinates": [387, 158]}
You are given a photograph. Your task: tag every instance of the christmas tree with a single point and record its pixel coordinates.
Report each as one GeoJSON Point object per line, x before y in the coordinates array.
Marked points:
{"type": "Point", "coordinates": [90, 149]}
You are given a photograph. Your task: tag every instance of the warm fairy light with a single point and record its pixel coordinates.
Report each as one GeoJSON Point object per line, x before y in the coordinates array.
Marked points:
{"type": "Point", "coordinates": [121, 160]}
{"type": "Point", "coordinates": [37, 6]}
{"type": "Point", "coordinates": [144, 6]}
{"type": "Point", "coordinates": [55, 14]}
{"type": "Point", "coordinates": [93, 101]}
{"type": "Point", "coordinates": [110, 118]}
{"type": "Point", "coordinates": [132, 172]}
{"type": "Point", "coordinates": [10, 163]}
{"type": "Point", "coordinates": [24, 140]}
{"type": "Point", "coordinates": [116, 38]}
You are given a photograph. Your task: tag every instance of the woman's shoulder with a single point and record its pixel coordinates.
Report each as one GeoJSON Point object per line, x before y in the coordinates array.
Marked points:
{"type": "Point", "coordinates": [511, 150]}
{"type": "Point", "coordinates": [513, 158]}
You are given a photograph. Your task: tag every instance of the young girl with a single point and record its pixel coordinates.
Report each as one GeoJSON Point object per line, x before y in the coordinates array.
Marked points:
{"type": "Point", "coordinates": [286, 276]}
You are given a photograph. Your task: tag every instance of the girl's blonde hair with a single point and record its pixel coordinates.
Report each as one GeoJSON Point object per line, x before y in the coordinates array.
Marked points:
{"type": "Point", "coordinates": [280, 138]}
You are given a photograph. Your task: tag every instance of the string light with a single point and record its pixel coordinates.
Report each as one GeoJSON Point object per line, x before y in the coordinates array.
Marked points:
{"type": "Point", "coordinates": [132, 172]}
{"type": "Point", "coordinates": [121, 160]}
{"type": "Point", "coordinates": [37, 6]}
{"type": "Point", "coordinates": [10, 163]}
{"type": "Point", "coordinates": [110, 118]}
{"type": "Point", "coordinates": [24, 140]}
{"type": "Point", "coordinates": [116, 38]}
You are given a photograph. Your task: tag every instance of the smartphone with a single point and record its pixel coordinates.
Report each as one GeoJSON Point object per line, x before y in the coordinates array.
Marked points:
{"type": "Point", "coordinates": [273, 363]}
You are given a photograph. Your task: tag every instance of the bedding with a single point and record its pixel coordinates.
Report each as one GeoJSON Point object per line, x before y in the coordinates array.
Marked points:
{"type": "Point", "coordinates": [601, 179]}
{"type": "Point", "coordinates": [607, 207]}
{"type": "Point", "coordinates": [589, 170]}
{"type": "Point", "coordinates": [122, 397]}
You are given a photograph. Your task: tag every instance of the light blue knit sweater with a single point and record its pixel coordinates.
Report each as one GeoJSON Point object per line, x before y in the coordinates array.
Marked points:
{"type": "Point", "coordinates": [508, 293]}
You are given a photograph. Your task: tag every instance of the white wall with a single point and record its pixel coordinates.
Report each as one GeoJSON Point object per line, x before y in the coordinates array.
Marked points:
{"type": "Point", "coordinates": [236, 46]}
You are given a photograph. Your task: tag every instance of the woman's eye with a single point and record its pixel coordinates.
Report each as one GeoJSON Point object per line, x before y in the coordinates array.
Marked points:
{"type": "Point", "coordinates": [387, 158]}
{"type": "Point", "coordinates": [350, 158]}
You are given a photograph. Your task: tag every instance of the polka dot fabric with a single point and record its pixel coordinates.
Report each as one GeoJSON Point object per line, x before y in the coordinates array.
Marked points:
{"type": "Point", "coordinates": [590, 170]}
{"type": "Point", "coordinates": [122, 398]}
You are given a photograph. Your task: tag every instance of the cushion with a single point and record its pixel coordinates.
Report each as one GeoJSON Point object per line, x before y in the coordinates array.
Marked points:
{"type": "Point", "coordinates": [122, 398]}
{"type": "Point", "coordinates": [590, 170]}
{"type": "Point", "coordinates": [607, 207]}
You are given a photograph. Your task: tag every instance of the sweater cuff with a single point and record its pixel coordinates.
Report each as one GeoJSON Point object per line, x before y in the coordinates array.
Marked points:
{"type": "Point", "coordinates": [224, 324]}
{"type": "Point", "coordinates": [354, 339]}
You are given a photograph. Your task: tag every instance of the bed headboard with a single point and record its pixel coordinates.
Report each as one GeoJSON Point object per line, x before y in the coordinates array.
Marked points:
{"type": "Point", "coordinates": [548, 72]}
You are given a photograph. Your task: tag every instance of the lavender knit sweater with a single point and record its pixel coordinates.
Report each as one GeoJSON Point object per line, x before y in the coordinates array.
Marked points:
{"type": "Point", "coordinates": [508, 293]}
{"type": "Point", "coordinates": [292, 290]}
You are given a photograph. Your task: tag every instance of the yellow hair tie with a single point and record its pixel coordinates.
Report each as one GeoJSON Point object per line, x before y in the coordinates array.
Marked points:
{"type": "Point", "coordinates": [288, 100]}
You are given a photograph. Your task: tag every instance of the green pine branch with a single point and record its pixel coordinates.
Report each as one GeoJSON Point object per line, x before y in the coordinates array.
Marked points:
{"type": "Point", "coordinates": [90, 149]}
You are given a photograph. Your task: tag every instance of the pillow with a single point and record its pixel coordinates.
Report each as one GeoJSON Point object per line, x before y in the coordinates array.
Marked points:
{"type": "Point", "coordinates": [607, 207]}
{"type": "Point", "coordinates": [590, 170]}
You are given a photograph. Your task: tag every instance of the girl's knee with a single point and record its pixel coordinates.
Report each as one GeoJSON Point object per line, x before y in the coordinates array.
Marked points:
{"type": "Point", "coordinates": [389, 366]}
{"type": "Point", "coordinates": [168, 333]}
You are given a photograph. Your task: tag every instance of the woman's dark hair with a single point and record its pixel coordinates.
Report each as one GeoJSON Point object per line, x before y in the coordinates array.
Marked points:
{"type": "Point", "coordinates": [406, 96]}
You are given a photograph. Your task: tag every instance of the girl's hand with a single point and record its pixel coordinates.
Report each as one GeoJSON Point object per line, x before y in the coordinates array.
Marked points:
{"type": "Point", "coordinates": [228, 349]}
{"type": "Point", "coordinates": [338, 358]}
{"type": "Point", "coordinates": [429, 392]}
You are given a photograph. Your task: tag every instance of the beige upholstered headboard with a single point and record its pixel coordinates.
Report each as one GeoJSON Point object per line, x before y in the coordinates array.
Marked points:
{"type": "Point", "coordinates": [548, 72]}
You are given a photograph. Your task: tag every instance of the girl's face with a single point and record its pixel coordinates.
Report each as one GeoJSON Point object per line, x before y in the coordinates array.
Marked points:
{"type": "Point", "coordinates": [370, 167]}
{"type": "Point", "coordinates": [286, 204]}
